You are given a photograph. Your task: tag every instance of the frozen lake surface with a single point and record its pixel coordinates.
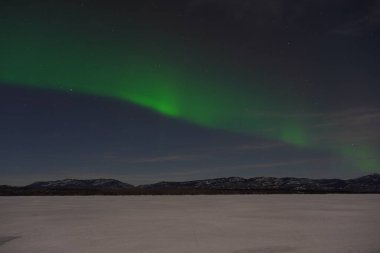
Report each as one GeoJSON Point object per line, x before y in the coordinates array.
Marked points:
{"type": "Point", "coordinates": [196, 224]}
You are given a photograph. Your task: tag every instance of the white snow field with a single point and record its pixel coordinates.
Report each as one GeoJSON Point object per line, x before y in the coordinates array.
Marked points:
{"type": "Point", "coordinates": [197, 224]}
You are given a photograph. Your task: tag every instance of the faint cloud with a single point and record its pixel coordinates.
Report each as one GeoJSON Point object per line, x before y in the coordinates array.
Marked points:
{"type": "Point", "coordinates": [365, 24]}
{"type": "Point", "coordinates": [261, 12]}
{"type": "Point", "coordinates": [265, 15]}
{"type": "Point", "coordinates": [355, 124]}
{"type": "Point", "coordinates": [156, 159]}
{"type": "Point", "coordinates": [285, 163]}
{"type": "Point", "coordinates": [170, 158]}
{"type": "Point", "coordinates": [198, 155]}
{"type": "Point", "coordinates": [254, 146]}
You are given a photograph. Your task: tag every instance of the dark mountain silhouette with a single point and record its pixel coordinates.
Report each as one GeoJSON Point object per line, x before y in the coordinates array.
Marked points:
{"type": "Point", "coordinates": [111, 184]}
{"type": "Point", "coordinates": [230, 185]}
{"type": "Point", "coordinates": [369, 183]}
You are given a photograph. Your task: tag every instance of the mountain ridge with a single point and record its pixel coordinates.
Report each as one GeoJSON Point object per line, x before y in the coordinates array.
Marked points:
{"type": "Point", "coordinates": [100, 183]}
{"type": "Point", "coordinates": [365, 183]}
{"type": "Point", "coordinates": [225, 185]}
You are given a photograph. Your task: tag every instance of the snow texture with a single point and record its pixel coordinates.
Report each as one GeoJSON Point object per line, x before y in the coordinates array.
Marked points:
{"type": "Point", "coordinates": [191, 224]}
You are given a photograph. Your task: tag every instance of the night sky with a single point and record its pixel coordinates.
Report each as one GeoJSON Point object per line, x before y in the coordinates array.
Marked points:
{"type": "Point", "coordinates": [144, 91]}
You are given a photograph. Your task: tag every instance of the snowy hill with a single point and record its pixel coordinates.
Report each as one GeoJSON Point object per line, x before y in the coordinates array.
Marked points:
{"type": "Point", "coordinates": [229, 185]}
{"type": "Point", "coordinates": [81, 184]}
{"type": "Point", "coordinates": [369, 183]}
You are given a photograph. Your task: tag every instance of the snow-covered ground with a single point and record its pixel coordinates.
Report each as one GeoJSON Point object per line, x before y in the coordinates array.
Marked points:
{"type": "Point", "coordinates": [196, 224]}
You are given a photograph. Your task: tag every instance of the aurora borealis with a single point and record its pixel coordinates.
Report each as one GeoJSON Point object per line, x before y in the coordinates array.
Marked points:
{"type": "Point", "coordinates": [287, 82]}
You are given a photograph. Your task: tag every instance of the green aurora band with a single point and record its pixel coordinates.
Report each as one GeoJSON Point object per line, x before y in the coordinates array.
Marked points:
{"type": "Point", "coordinates": [149, 69]}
